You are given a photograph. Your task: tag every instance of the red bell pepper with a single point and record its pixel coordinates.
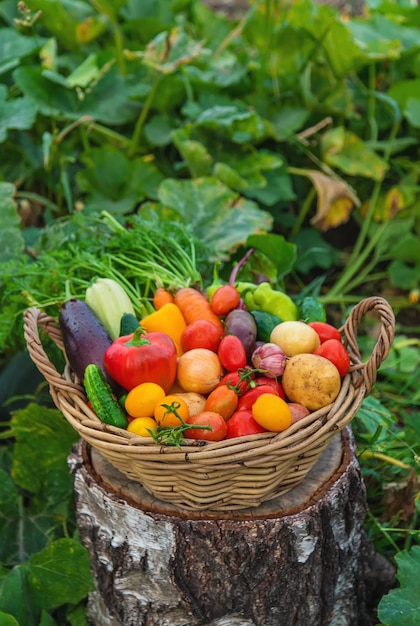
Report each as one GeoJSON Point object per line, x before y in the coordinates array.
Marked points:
{"type": "Point", "coordinates": [142, 358]}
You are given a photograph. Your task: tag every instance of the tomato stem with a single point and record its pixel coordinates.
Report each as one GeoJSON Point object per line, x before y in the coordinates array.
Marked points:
{"type": "Point", "coordinates": [172, 435]}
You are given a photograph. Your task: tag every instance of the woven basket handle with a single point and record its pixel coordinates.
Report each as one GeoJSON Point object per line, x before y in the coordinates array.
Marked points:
{"type": "Point", "coordinates": [365, 372]}
{"type": "Point", "coordinates": [33, 320]}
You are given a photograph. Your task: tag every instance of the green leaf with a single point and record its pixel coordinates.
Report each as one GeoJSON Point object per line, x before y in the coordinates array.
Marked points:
{"type": "Point", "coordinates": [11, 240]}
{"type": "Point", "coordinates": [403, 276]}
{"type": "Point", "coordinates": [346, 151]}
{"type": "Point", "coordinates": [401, 607]}
{"type": "Point", "coordinates": [112, 178]}
{"type": "Point", "coordinates": [16, 598]}
{"type": "Point", "coordinates": [277, 249]}
{"type": "Point", "coordinates": [8, 620]}
{"type": "Point", "coordinates": [412, 111]}
{"type": "Point", "coordinates": [241, 126]}
{"type": "Point", "coordinates": [9, 513]}
{"type": "Point", "coordinates": [59, 574]}
{"type": "Point", "coordinates": [313, 251]}
{"type": "Point", "coordinates": [47, 620]}
{"type": "Point", "coordinates": [245, 171]}
{"type": "Point", "coordinates": [194, 153]}
{"type": "Point", "coordinates": [70, 21]}
{"type": "Point", "coordinates": [287, 121]}
{"type": "Point", "coordinates": [110, 8]}
{"type": "Point", "coordinates": [14, 45]}
{"type": "Point", "coordinates": [43, 441]}
{"type": "Point", "coordinates": [223, 71]}
{"type": "Point", "coordinates": [18, 113]}
{"type": "Point", "coordinates": [374, 415]}
{"type": "Point", "coordinates": [107, 101]}
{"type": "Point", "coordinates": [278, 188]}
{"type": "Point", "coordinates": [334, 41]}
{"type": "Point", "coordinates": [158, 131]}
{"type": "Point", "coordinates": [216, 214]}
{"type": "Point", "coordinates": [85, 73]}
{"type": "Point", "coordinates": [403, 90]}
{"type": "Point", "coordinates": [382, 38]}
{"type": "Point", "coordinates": [169, 51]}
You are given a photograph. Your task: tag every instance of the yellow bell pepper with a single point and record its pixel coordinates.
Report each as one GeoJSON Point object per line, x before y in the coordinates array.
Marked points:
{"type": "Point", "coordinates": [168, 319]}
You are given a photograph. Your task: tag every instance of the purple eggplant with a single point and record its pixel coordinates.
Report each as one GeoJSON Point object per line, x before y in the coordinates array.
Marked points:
{"type": "Point", "coordinates": [85, 339]}
{"type": "Point", "coordinates": [242, 324]}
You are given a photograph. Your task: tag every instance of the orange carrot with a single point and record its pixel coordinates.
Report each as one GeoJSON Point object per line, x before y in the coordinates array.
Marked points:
{"type": "Point", "coordinates": [162, 296]}
{"type": "Point", "coordinates": [195, 306]}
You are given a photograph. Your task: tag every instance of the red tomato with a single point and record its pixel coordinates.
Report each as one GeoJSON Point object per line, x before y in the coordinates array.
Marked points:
{"type": "Point", "coordinates": [241, 424]}
{"type": "Point", "coordinates": [273, 382]}
{"type": "Point", "coordinates": [240, 380]}
{"type": "Point", "coordinates": [201, 334]}
{"type": "Point", "coordinates": [249, 397]}
{"type": "Point", "coordinates": [325, 331]}
{"type": "Point", "coordinates": [334, 351]}
{"type": "Point", "coordinates": [222, 400]}
{"type": "Point", "coordinates": [225, 299]}
{"type": "Point", "coordinates": [206, 418]}
{"type": "Point", "coordinates": [231, 353]}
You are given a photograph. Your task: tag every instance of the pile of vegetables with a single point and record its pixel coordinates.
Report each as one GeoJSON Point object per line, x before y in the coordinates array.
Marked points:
{"type": "Point", "coordinates": [230, 360]}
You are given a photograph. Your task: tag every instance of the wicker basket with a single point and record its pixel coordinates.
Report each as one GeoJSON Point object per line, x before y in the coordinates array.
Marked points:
{"type": "Point", "coordinates": [231, 474]}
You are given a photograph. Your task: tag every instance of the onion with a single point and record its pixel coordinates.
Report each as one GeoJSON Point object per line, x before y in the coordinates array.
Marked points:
{"type": "Point", "coordinates": [199, 370]}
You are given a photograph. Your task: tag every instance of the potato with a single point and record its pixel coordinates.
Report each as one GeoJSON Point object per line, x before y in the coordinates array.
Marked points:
{"type": "Point", "coordinates": [298, 411]}
{"type": "Point", "coordinates": [311, 380]}
{"type": "Point", "coordinates": [195, 401]}
{"type": "Point", "coordinates": [295, 338]}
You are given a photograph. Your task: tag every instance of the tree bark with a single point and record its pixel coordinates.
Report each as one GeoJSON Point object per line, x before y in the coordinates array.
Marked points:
{"type": "Point", "coordinates": [302, 559]}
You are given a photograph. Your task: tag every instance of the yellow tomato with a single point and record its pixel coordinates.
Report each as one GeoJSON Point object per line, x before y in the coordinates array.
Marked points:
{"type": "Point", "coordinates": [272, 412]}
{"type": "Point", "coordinates": [142, 426]}
{"type": "Point", "coordinates": [142, 400]}
{"type": "Point", "coordinates": [170, 409]}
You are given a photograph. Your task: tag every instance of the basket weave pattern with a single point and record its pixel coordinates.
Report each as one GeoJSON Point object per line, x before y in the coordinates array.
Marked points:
{"type": "Point", "coordinates": [231, 474]}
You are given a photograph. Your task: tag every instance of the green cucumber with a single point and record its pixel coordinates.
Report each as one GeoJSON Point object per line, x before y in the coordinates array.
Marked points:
{"type": "Point", "coordinates": [128, 324]}
{"type": "Point", "coordinates": [265, 323]}
{"type": "Point", "coordinates": [311, 310]}
{"type": "Point", "coordinates": [103, 401]}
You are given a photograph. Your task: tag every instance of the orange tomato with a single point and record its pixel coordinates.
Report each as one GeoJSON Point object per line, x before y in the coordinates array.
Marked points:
{"type": "Point", "coordinates": [141, 400]}
{"type": "Point", "coordinates": [222, 400]}
{"type": "Point", "coordinates": [272, 412]}
{"type": "Point", "coordinates": [170, 409]}
{"type": "Point", "coordinates": [142, 426]}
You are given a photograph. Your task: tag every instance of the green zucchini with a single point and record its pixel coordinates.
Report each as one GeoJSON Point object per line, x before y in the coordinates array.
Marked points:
{"type": "Point", "coordinates": [103, 401]}
{"type": "Point", "coordinates": [265, 323]}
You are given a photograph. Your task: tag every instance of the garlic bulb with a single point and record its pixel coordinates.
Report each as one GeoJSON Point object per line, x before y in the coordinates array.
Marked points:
{"type": "Point", "coordinates": [269, 358]}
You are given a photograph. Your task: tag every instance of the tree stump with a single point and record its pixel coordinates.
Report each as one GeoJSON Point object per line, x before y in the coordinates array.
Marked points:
{"type": "Point", "coordinates": [302, 559]}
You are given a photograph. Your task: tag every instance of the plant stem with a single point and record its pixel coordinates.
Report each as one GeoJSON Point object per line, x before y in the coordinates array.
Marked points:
{"type": "Point", "coordinates": [304, 209]}
{"type": "Point", "coordinates": [384, 531]}
{"type": "Point", "coordinates": [360, 250]}
{"type": "Point", "coordinates": [373, 126]}
{"type": "Point", "coordinates": [370, 454]}
{"type": "Point", "coordinates": [142, 117]}
{"type": "Point", "coordinates": [356, 262]}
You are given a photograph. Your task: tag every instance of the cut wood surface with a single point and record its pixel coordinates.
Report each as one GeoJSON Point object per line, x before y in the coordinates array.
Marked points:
{"type": "Point", "coordinates": [301, 559]}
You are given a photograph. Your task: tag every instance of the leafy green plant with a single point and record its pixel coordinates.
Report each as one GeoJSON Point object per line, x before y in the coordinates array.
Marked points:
{"type": "Point", "coordinates": [293, 130]}
{"type": "Point", "coordinates": [400, 607]}
{"type": "Point", "coordinates": [45, 570]}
